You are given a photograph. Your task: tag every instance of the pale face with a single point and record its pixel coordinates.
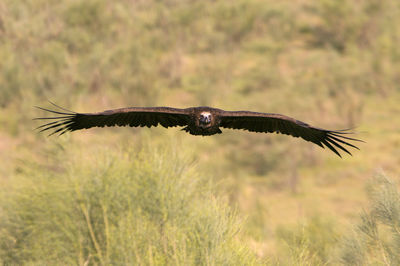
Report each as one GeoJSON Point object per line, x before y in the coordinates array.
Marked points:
{"type": "Point", "coordinates": [205, 118]}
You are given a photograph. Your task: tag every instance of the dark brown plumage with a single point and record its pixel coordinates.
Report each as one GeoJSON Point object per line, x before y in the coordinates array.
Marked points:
{"type": "Point", "coordinates": [204, 121]}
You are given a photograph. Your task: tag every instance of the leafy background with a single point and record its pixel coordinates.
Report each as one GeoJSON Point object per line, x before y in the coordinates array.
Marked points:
{"type": "Point", "coordinates": [248, 198]}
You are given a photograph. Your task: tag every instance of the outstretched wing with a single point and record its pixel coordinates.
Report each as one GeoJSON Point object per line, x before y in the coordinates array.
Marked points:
{"type": "Point", "coordinates": [134, 116]}
{"type": "Point", "coordinates": [268, 123]}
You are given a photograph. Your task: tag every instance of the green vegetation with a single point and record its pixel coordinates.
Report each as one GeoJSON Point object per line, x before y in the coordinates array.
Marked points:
{"type": "Point", "coordinates": [376, 238]}
{"type": "Point", "coordinates": [149, 208]}
{"type": "Point", "coordinates": [309, 243]}
{"type": "Point", "coordinates": [331, 63]}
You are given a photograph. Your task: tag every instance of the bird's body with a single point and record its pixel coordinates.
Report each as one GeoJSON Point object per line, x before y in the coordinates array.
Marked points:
{"type": "Point", "coordinates": [200, 121]}
{"type": "Point", "coordinates": [205, 121]}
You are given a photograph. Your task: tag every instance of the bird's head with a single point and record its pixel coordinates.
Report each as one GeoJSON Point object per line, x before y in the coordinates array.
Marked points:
{"type": "Point", "coordinates": [205, 118]}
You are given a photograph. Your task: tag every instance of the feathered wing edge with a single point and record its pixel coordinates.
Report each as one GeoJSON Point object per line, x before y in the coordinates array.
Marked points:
{"type": "Point", "coordinates": [66, 120]}
{"type": "Point", "coordinates": [62, 120]}
{"type": "Point", "coordinates": [335, 140]}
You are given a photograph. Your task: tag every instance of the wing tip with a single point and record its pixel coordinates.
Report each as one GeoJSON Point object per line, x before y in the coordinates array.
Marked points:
{"type": "Point", "coordinates": [61, 123]}
{"type": "Point", "coordinates": [334, 137]}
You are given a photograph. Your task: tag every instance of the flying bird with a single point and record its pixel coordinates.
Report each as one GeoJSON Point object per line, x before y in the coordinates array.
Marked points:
{"type": "Point", "coordinates": [199, 121]}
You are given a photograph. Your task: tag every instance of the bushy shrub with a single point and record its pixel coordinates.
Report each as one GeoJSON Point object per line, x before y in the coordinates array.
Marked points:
{"type": "Point", "coordinates": [121, 208]}
{"type": "Point", "coordinates": [376, 239]}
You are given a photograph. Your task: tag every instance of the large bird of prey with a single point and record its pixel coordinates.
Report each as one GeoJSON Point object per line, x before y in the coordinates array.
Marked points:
{"type": "Point", "coordinates": [203, 121]}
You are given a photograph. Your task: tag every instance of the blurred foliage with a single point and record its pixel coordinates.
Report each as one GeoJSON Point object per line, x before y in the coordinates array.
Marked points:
{"type": "Point", "coordinates": [343, 24]}
{"type": "Point", "coordinates": [125, 208]}
{"type": "Point", "coordinates": [139, 49]}
{"type": "Point", "coordinates": [330, 63]}
{"type": "Point", "coordinates": [310, 243]}
{"type": "Point", "coordinates": [376, 238]}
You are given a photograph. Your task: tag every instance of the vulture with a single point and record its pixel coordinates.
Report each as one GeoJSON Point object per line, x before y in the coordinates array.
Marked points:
{"type": "Point", "coordinates": [199, 121]}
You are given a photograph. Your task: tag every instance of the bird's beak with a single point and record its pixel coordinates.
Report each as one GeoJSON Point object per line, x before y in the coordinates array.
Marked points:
{"type": "Point", "coordinates": [205, 119]}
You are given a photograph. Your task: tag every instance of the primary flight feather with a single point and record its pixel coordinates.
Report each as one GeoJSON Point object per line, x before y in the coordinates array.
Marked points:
{"type": "Point", "coordinates": [204, 121]}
